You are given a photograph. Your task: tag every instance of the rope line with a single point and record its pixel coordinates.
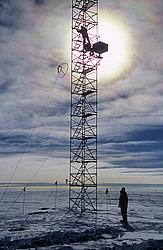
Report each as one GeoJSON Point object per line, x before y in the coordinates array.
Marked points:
{"type": "Point", "coordinates": [30, 180]}
{"type": "Point", "coordinates": [45, 160]}
{"type": "Point", "coordinates": [36, 66]}
{"type": "Point", "coordinates": [29, 139]}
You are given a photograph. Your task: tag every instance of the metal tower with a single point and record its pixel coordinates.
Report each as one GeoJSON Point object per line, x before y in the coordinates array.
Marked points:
{"type": "Point", "coordinates": [85, 57]}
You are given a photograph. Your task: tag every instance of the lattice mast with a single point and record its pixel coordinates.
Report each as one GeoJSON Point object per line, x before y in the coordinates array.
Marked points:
{"type": "Point", "coordinates": [85, 56]}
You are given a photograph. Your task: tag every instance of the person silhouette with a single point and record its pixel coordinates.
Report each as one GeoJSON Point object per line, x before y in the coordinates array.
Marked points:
{"type": "Point", "coordinates": [123, 204]}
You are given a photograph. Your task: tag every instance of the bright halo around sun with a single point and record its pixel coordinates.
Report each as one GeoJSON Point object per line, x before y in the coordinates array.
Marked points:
{"type": "Point", "coordinates": [118, 60]}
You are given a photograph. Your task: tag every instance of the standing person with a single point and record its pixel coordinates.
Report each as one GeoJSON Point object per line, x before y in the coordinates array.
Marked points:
{"type": "Point", "coordinates": [123, 204]}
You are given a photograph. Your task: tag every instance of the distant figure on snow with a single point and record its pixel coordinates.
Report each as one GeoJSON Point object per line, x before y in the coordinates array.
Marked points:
{"type": "Point", "coordinates": [123, 204]}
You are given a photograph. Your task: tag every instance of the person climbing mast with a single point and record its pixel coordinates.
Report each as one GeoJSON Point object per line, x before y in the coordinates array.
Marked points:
{"type": "Point", "coordinates": [86, 41]}
{"type": "Point", "coordinates": [123, 204]}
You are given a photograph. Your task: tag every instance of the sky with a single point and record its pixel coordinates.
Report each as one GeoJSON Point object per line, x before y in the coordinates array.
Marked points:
{"type": "Point", "coordinates": [35, 37]}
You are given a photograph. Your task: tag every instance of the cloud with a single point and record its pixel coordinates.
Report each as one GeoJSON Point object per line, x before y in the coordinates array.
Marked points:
{"type": "Point", "coordinates": [39, 2]}
{"type": "Point", "coordinates": [35, 38]}
{"type": "Point", "coordinates": [4, 87]}
{"type": "Point", "coordinates": [141, 149]}
{"type": "Point", "coordinates": [10, 14]}
{"type": "Point", "coordinates": [15, 143]}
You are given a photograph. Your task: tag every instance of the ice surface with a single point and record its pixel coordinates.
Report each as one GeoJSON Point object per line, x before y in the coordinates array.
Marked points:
{"type": "Point", "coordinates": [45, 226]}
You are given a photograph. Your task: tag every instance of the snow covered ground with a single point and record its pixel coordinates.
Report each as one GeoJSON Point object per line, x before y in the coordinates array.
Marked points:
{"type": "Point", "coordinates": [46, 223]}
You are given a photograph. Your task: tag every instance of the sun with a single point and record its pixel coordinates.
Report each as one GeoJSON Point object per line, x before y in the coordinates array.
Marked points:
{"type": "Point", "coordinates": [118, 59]}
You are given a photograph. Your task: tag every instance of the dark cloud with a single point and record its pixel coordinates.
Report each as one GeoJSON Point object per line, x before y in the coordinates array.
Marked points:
{"type": "Point", "coordinates": [19, 143]}
{"type": "Point", "coordinates": [39, 2]}
{"type": "Point", "coordinates": [153, 171]}
{"type": "Point", "coordinates": [141, 149]}
{"type": "Point", "coordinates": [10, 13]}
{"type": "Point", "coordinates": [138, 162]}
{"type": "Point", "coordinates": [4, 87]}
{"type": "Point", "coordinates": [149, 133]}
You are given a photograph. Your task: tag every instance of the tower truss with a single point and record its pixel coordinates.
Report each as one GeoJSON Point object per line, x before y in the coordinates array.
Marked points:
{"type": "Point", "coordinates": [85, 57]}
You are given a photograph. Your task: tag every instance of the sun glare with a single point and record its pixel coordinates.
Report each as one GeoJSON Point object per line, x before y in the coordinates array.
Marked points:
{"type": "Point", "coordinates": [118, 58]}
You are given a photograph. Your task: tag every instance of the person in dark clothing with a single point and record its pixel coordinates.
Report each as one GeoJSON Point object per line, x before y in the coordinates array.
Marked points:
{"type": "Point", "coordinates": [123, 204]}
